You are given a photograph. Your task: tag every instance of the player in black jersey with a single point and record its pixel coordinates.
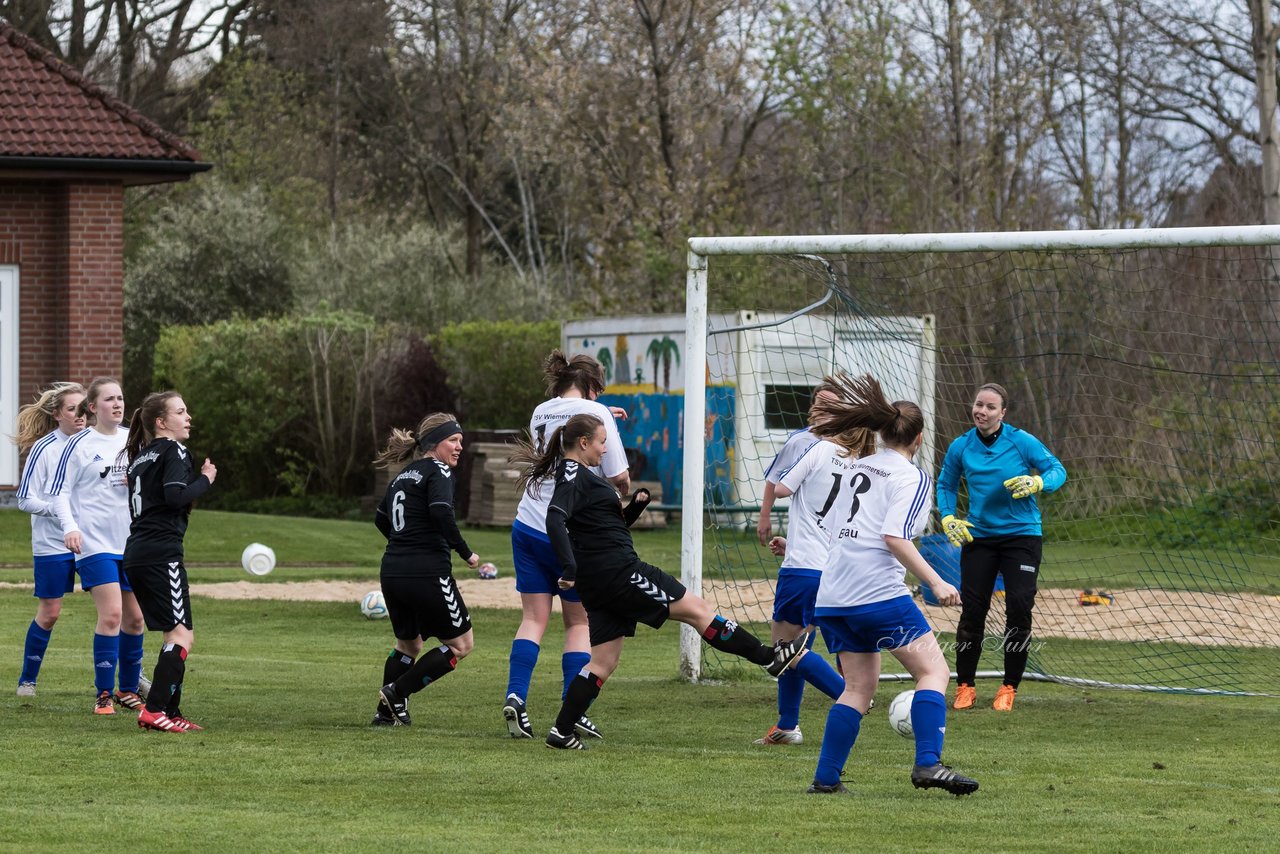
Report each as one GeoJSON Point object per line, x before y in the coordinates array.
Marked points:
{"type": "Point", "coordinates": [590, 531]}
{"type": "Point", "coordinates": [416, 517]}
{"type": "Point", "coordinates": [162, 486]}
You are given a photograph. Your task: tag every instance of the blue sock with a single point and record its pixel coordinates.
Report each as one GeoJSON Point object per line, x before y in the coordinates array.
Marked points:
{"type": "Point", "coordinates": [572, 663]}
{"type": "Point", "coordinates": [524, 657]}
{"type": "Point", "coordinates": [815, 670]}
{"type": "Point", "coordinates": [131, 661]}
{"type": "Point", "coordinates": [106, 656]}
{"type": "Point", "coordinates": [33, 651]}
{"type": "Point", "coordinates": [837, 740]}
{"type": "Point", "coordinates": [929, 721]}
{"type": "Point", "coordinates": [790, 693]}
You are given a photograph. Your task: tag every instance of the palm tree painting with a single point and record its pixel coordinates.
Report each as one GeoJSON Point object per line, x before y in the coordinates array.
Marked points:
{"type": "Point", "coordinates": [663, 352]}
{"type": "Point", "coordinates": [605, 358]}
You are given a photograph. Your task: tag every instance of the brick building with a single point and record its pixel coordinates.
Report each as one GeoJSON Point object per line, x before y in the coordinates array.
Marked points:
{"type": "Point", "coordinates": [68, 150]}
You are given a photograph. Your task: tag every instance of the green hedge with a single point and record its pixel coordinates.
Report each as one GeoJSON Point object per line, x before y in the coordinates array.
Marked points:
{"type": "Point", "coordinates": [494, 369]}
{"type": "Point", "coordinates": [282, 406]}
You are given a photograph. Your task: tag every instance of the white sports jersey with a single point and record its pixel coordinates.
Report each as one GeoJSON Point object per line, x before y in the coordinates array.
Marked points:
{"type": "Point", "coordinates": [33, 496]}
{"type": "Point", "coordinates": [792, 450]}
{"type": "Point", "coordinates": [814, 480]}
{"type": "Point", "coordinates": [90, 492]}
{"type": "Point", "coordinates": [884, 493]}
{"type": "Point", "coordinates": [549, 417]}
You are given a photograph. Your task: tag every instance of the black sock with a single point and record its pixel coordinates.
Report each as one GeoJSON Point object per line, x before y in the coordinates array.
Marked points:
{"type": "Point", "coordinates": [582, 692]}
{"type": "Point", "coordinates": [728, 636]}
{"type": "Point", "coordinates": [396, 665]}
{"type": "Point", "coordinates": [433, 665]}
{"type": "Point", "coordinates": [166, 680]}
{"type": "Point", "coordinates": [175, 699]}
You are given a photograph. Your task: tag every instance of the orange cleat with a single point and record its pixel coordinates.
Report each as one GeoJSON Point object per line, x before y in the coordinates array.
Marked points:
{"type": "Point", "coordinates": [1004, 698]}
{"type": "Point", "coordinates": [965, 696]}
{"type": "Point", "coordinates": [103, 705]}
{"type": "Point", "coordinates": [781, 736]}
{"type": "Point", "coordinates": [129, 700]}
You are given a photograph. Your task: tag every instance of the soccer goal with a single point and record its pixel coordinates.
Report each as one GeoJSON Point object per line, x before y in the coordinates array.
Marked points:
{"type": "Point", "coordinates": [1148, 360]}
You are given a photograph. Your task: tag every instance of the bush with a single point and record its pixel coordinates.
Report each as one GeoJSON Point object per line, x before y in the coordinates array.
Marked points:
{"type": "Point", "coordinates": [241, 380]}
{"type": "Point", "coordinates": [218, 254]}
{"type": "Point", "coordinates": [495, 369]}
{"type": "Point", "coordinates": [282, 406]}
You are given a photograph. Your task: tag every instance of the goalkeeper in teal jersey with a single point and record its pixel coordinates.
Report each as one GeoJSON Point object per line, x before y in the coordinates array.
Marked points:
{"type": "Point", "coordinates": [1004, 468]}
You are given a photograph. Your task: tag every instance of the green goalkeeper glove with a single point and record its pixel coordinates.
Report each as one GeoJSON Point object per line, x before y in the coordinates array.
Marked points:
{"type": "Point", "coordinates": [1024, 485]}
{"type": "Point", "coordinates": [957, 530]}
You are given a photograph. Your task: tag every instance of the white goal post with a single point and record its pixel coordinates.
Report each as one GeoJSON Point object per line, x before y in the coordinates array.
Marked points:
{"type": "Point", "coordinates": [702, 249]}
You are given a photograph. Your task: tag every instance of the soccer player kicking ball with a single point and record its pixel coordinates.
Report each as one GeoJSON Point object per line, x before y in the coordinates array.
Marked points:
{"type": "Point", "coordinates": [590, 532]}
{"type": "Point", "coordinates": [162, 485]}
{"type": "Point", "coordinates": [863, 606]}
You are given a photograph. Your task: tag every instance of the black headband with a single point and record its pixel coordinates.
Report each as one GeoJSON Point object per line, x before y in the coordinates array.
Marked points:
{"type": "Point", "coordinates": [438, 435]}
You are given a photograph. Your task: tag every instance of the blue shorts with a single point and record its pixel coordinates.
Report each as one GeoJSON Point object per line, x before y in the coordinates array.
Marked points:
{"type": "Point", "coordinates": [55, 575]}
{"type": "Point", "coordinates": [795, 595]}
{"type": "Point", "coordinates": [537, 568]}
{"type": "Point", "coordinates": [103, 569]}
{"type": "Point", "coordinates": [872, 628]}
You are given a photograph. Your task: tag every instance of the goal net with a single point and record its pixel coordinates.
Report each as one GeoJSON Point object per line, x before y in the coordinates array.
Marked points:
{"type": "Point", "coordinates": [1148, 361]}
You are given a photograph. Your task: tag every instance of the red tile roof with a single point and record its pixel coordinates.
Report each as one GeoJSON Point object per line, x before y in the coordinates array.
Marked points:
{"type": "Point", "coordinates": [49, 109]}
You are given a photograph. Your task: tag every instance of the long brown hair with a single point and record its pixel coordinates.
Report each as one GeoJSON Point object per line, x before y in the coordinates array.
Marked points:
{"type": "Point", "coordinates": [142, 426]}
{"type": "Point", "coordinates": [402, 445]}
{"type": "Point", "coordinates": [38, 418]}
{"type": "Point", "coordinates": [538, 467]}
{"type": "Point", "coordinates": [860, 402]}
{"type": "Point", "coordinates": [856, 442]}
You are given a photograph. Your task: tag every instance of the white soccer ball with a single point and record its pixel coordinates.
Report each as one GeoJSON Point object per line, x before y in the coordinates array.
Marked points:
{"type": "Point", "coordinates": [258, 559]}
{"type": "Point", "coordinates": [487, 571]}
{"type": "Point", "coordinates": [373, 605]}
{"type": "Point", "coordinates": [900, 714]}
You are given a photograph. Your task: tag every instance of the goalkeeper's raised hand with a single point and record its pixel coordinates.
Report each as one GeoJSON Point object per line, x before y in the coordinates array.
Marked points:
{"type": "Point", "coordinates": [1024, 485]}
{"type": "Point", "coordinates": [957, 530]}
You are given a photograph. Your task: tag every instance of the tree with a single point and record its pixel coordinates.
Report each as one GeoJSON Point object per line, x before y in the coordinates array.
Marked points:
{"type": "Point", "coordinates": [141, 50]}
{"type": "Point", "coordinates": [216, 254]}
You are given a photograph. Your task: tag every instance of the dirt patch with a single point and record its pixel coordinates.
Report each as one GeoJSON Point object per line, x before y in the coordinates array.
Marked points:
{"type": "Point", "coordinates": [476, 592]}
{"type": "Point", "coordinates": [1206, 619]}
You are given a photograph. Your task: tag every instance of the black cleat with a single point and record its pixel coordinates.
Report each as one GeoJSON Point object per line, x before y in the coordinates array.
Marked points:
{"type": "Point", "coordinates": [382, 718]}
{"type": "Point", "coordinates": [564, 742]}
{"type": "Point", "coordinates": [786, 654]}
{"type": "Point", "coordinates": [394, 705]}
{"type": "Point", "coordinates": [517, 717]}
{"type": "Point", "coordinates": [585, 728]}
{"type": "Point", "coordinates": [939, 776]}
{"type": "Point", "coordinates": [817, 788]}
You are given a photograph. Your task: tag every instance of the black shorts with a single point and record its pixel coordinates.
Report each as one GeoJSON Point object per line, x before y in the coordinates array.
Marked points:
{"type": "Point", "coordinates": [616, 601]}
{"type": "Point", "coordinates": [426, 606]}
{"type": "Point", "coordinates": [163, 593]}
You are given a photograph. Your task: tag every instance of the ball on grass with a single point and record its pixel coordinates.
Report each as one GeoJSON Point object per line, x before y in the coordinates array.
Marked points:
{"type": "Point", "coordinates": [373, 605]}
{"type": "Point", "coordinates": [487, 571]}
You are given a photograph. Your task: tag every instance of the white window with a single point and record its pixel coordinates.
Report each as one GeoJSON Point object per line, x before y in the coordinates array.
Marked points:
{"type": "Point", "coordinates": [8, 372]}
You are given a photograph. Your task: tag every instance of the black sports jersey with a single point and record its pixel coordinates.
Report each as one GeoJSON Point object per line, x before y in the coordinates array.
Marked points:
{"type": "Point", "coordinates": [588, 507]}
{"type": "Point", "coordinates": [416, 516]}
{"type": "Point", "coordinates": [162, 485]}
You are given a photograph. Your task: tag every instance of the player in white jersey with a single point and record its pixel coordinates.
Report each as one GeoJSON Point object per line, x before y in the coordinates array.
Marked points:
{"type": "Point", "coordinates": [574, 384]}
{"type": "Point", "coordinates": [880, 505]}
{"type": "Point", "coordinates": [804, 554]}
{"type": "Point", "coordinates": [90, 495]}
{"type": "Point", "coordinates": [43, 430]}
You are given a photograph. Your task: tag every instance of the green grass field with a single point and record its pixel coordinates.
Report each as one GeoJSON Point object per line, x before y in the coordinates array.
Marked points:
{"type": "Point", "coordinates": [289, 763]}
